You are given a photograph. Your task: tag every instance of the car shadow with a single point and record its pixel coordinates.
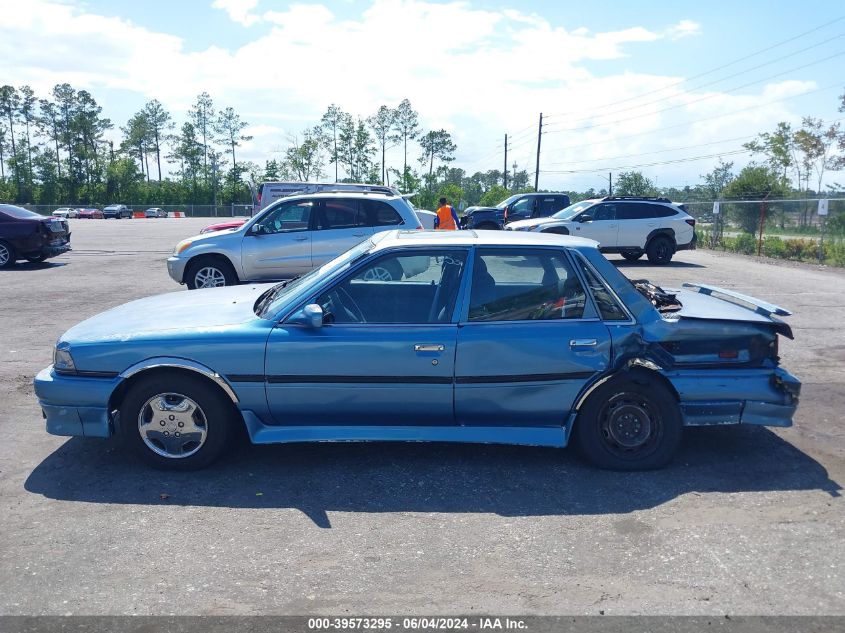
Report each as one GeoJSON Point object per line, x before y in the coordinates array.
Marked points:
{"type": "Point", "coordinates": [35, 265]}
{"type": "Point", "coordinates": [644, 263]}
{"type": "Point", "coordinates": [421, 477]}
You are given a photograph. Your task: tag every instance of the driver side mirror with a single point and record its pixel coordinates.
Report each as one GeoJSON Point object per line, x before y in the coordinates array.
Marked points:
{"type": "Point", "coordinates": [311, 316]}
{"type": "Point", "coordinates": [256, 229]}
{"type": "Point", "coordinates": [585, 218]}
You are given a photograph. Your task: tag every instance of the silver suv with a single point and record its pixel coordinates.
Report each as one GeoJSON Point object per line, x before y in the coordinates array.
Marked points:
{"type": "Point", "coordinates": [289, 238]}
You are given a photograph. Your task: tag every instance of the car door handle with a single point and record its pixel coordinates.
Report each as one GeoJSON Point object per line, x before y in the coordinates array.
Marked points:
{"type": "Point", "coordinates": [582, 342]}
{"type": "Point", "coordinates": [301, 238]}
{"type": "Point", "coordinates": [429, 348]}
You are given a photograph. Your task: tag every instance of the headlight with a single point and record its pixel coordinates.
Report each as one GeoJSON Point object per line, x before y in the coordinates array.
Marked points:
{"type": "Point", "coordinates": [63, 361]}
{"type": "Point", "coordinates": [181, 246]}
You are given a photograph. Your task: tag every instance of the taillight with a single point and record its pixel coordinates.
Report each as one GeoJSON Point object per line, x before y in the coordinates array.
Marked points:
{"type": "Point", "coordinates": [506, 214]}
{"type": "Point", "coordinates": [691, 222]}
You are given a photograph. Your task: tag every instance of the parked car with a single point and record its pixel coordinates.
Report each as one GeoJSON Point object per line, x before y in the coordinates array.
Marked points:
{"type": "Point", "coordinates": [64, 212]}
{"type": "Point", "coordinates": [234, 223]}
{"type": "Point", "coordinates": [631, 226]}
{"type": "Point", "coordinates": [89, 214]}
{"type": "Point", "coordinates": [516, 207]}
{"type": "Point", "coordinates": [267, 193]}
{"type": "Point", "coordinates": [155, 212]}
{"type": "Point", "coordinates": [27, 235]}
{"type": "Point", "coordinates": [288, 239]}
{"type": "Point", "coordinates": [117, 211]}
{"type": "Point", "coordinates": [504, 337]}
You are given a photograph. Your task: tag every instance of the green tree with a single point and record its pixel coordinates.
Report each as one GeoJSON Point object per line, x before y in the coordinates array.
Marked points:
{"type": "Point", "coordinates": [754, 182]}
{"type": "Point", "coordinates": [305, 157]}
{"type": "Point", "coordinates": [436, 145]}
{"type": "Point", "coordinates": [719, 178]}
{"type": "Point", "coordinates": [27, 113]}
{"type": "Point", "coordinates": [330, 125]}
{"type": "Point", "coordinates": [230, 127]}
{"type": "Point", "coordinates": [407, 128]}
{"type": "Point", "coordinates": [202, 116]}
{"type": "Point", "coordinates": [494, 196]}
{"type": "Point", "coordinates": [634, 183]}
{"type": "Point", "coordinates": [382, 124]}
{"type": "Point", "coordinates": [9, 104]}
{"type": "Point", "coordinates": [159, 125]}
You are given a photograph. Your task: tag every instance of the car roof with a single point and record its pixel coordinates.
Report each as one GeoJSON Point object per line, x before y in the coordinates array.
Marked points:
{"type": "Point", "coordinates": [390, 239]}
{"type": "Point", "coordinates": [341, 194]}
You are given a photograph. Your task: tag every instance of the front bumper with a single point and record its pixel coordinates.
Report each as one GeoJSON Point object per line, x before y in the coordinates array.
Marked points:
{"type": "Point", "coordinates": [75, 405]}
{"type": "Point", "coordinates": [176, 268]}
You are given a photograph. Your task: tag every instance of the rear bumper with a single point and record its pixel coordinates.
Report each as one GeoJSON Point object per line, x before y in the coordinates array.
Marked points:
{"type": "Point", "coordinates": [75, 405]}
{"type": "Point", "coordinates": [690, 246]}
{"type": "Point", "coordinates": [755, 396]}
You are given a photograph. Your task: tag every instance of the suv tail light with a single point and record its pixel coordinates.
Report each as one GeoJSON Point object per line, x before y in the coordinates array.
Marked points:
{"type": "Point", "coordinates": [690, 221]}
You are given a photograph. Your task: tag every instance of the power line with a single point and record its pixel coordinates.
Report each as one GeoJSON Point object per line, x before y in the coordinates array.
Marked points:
{"type": "Point", "coordinates": [716, 81]}
{"type": "Point", "coordinates": [688, 159]}
{"type": "Point", "coordinates": [699, 100]}
{"type": "Point", "coordinates": [713, 70]}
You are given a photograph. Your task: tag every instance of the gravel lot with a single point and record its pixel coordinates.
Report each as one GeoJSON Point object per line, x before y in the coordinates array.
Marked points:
{"type": "Point", "coordinates": [745, 521]}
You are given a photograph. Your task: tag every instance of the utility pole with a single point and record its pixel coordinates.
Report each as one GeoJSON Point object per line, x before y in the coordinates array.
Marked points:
{"type": "Point", "coordinates": [610, 183]}
{"type": "Point", "coordinates": [505, 167]}
{"type": "Point", "coordinates": [539, 137]}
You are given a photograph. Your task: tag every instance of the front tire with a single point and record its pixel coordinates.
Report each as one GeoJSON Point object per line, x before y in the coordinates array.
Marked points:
{"type": "Point", "coordinates": [7, 255]}
{"type": "Point", "coordinates": [629, 425]}
{"type": "Point", "coordinates": [176, 421]}
{"type": "Point", "coordinates": [631, 256]}
{"type": "Point", "coordinates": [37, 259]}
{"type": "Point", "coordinates": [660, 250]}
{"type": "Point", "coordinates": [210, 273]}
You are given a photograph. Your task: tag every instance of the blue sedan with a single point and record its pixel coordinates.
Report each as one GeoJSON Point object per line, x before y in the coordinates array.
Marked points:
{"type": "Point", "coordinates": [484, 336]}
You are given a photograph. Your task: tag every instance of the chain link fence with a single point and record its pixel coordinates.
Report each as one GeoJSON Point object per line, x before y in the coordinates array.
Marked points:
{"type": "Point", "coordinates": [785, 229]}
{"type": "Point", "coordinates": [190, 210]}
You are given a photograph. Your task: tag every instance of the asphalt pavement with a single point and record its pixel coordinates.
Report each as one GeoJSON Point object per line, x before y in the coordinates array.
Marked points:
{"type": "Point", "coordinates": [744, 521]}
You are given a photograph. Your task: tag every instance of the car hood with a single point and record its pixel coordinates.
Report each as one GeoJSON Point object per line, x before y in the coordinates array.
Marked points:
{"type": "Point", "coordinates": [471, 210]}
{"type": "Point", "coordinates": [521, 224]}
{"type": "Point", "coordinates": [167, 314]}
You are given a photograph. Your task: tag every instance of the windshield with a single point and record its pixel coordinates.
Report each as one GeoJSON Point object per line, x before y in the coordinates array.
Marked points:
{"type": "Point", "coordinates": [270, 302]}
{"type": "Point", "coordinates": [573, 209]}
{"type": "Point", "coordinates": [19, 212]}
{"type": "Point", "coordinates": [506, 202]}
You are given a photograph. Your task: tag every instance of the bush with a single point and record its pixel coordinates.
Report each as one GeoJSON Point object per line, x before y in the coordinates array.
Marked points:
{"type": "Point", "coordinates": [774, 247]}
{"type": "Point", "coordinates": [744, 243]}
{"type": "Point", "coordinates": [835, 252]}
{"type": "Point", "coordinates": [801, 249]}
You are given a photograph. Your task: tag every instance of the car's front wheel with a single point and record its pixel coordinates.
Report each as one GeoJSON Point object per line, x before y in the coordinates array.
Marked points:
{"type": "Point", "coordinates": [36, 259]}
{"type": "Point", "coordinates": [7, 255]}
{"type": "Point", "coordinates": [174, 420]}
{"type": "Point", "coordinates": [210, 273]}
{"type": "Point", "coordinates": [627, 424]}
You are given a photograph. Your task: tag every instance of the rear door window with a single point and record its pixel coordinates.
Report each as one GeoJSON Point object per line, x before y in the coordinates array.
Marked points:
{"type": "Point", "coordinates": [340, 213]}
{"type": "Point", "coordinates": [380, 214]}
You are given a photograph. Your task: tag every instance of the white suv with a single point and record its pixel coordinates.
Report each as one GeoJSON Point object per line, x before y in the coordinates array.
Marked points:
{"type": "Point", "coordinates": [631, 226]}
{"type": "Point", "coordinates": [289, 238]}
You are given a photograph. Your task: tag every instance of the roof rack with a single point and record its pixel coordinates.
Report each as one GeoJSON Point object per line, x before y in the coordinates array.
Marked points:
{"type": "Point", "coordinates": [649, 198]}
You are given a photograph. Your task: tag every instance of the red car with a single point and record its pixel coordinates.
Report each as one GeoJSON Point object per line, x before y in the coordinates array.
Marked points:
{"type": "Point", "coordinates": [222, 226]}
{"type": "Point", "coordinates": [89, 214]}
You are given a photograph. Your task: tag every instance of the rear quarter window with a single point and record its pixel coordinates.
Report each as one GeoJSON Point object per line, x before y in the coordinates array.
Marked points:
{"type": "Point", "coordinates": [381, 214]}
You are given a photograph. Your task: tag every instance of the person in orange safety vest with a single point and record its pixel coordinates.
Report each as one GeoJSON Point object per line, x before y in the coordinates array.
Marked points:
{"type": "Point", "coordinates": [447, 219]}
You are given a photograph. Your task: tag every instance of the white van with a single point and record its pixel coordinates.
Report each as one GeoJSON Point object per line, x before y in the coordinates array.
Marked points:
{"type": "Point", "coordinates": [268, 192]}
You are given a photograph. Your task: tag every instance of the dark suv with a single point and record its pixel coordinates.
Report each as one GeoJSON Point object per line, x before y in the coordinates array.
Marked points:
{"type": "Point", "coordinates": [521, 206]}
{"type": "Point", "coordinates": [117, 211]}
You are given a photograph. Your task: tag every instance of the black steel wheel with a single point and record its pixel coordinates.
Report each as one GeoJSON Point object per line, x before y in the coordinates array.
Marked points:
{"type": "Point", "coordinates": [629, 424]}
{"type": "Point", "coordinates": [660, 250]}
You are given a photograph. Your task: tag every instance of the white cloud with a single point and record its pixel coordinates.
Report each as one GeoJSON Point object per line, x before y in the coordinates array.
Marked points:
{"type": "Point", "coordinates": [475, 72]}
{"type": "Point", "coordinates": [684, 28]}
{"type": "Point", "coordinates": [239, 11]}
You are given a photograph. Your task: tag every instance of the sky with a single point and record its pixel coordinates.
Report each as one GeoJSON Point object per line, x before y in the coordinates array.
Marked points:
{"type": "Point", "coordinates": [667, 88]}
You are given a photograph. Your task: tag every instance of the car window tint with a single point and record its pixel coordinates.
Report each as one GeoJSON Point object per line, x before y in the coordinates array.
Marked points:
{"type": "Point", "coordinates": [292, 216]}
{"type": "Point", "coordinates": [340, 214]}
{"type": "Point", "coordinates": [609, 308]}
{"type": "Point", "coordinates": [662, 211]}
{"type": "Point", "coordinates": [418, 287]}
{"type": "Point", "coordinates": [603, 212]}
{"type": "Point", "coordinates": [553, 204]}
{"type": "Point", "coordinates": [522, 206]}
{"type": "Point", "coordinates": [380, 214]}
{"type": "Point", "coordinates": [523, 286]}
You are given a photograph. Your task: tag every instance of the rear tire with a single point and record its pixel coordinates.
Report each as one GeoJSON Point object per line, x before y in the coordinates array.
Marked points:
{"type": "Point", "coordinates": [631, 256]}
{"type": "Point", "coordinates": [176, 421]}
{"type": "Point", "coordinates": [210, 273]}
{"type": "Point", "coordinates": [7, 255]}
{"type": "Point", "coordinates": [628, 425]}
{"type": "Point", "coordinates": [660, 250]}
